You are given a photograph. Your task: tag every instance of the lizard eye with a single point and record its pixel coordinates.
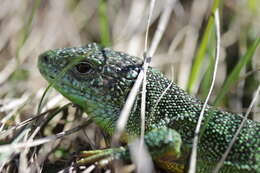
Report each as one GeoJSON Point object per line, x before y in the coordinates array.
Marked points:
{"type": "Point", "coordinates": [83, 68]}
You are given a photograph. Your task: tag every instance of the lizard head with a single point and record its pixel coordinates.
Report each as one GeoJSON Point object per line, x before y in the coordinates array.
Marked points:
{"type": "Point", "coordinates": [95, 78]}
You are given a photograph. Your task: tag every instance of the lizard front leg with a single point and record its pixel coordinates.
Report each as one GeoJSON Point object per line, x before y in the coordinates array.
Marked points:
{"type": "Point", "coordinates": [164, 146]}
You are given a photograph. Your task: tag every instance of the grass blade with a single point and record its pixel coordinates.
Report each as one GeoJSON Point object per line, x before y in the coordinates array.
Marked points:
{"type": "Point", "coordinates": [103, 22]}
{"type": "Point", "coordinates": [234, 75]}
{"type": "Point", "coordinates": [202, 49]}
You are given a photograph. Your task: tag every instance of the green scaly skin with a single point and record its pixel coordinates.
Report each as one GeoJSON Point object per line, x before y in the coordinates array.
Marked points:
{"type": "Point", "coordinates": [100, 83]}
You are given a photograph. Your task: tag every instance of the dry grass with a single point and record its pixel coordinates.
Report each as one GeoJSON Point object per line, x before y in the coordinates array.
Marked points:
{"type": "Point", "coordinates": [27, 28]}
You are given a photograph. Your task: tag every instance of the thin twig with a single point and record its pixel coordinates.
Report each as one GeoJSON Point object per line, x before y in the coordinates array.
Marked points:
{"type": "Point", "coordinates": [121, 123]}
{"type": "Point", "coordinates": [160, 98]}
{"type": "Point", "coordinates": [164, 19]}
{"type": "Point", "coordinates": [192, 168]}
{"type": "Point", "coordinates": [145, 67]}
{"type": "Point", "coordinates": [122, 120]}
{"type": "Point", "coordinates": [15, 105]}
{"type": "Point", "coordinates": [148, 25]}
{"type": "Point", "coordinates": [224, 156]}
{"type": "Point", "coordinates": [4, 133]}
{"type": "Point", "coordinates": [22, 145]}
{"type": "Point", "coordinates": [147, 59]}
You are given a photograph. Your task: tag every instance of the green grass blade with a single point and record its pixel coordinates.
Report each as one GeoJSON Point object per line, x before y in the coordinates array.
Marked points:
{"type": "Point", "coordinates": [234, 75]}
{"type": "Point", "coordinates": [202, 49]}
{"type": "Point", "coordinates": [27, 28]}
{"type": "Point", "coordinates": [103, 23]}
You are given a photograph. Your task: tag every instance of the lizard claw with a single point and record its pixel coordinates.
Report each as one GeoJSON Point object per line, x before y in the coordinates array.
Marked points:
{"type": "Point", "coordinates": [100, 158]}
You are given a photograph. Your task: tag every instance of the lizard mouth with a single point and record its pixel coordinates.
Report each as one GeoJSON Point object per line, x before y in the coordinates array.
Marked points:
{"type": "Point", "coordinates": [48, 73]}
{"type": "Point", "coordinates": [45, 67]}
{"type": "Point", "coordinates": [48, 67]}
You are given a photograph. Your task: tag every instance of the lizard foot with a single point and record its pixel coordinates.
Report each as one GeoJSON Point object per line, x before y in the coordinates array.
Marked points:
{"type": "Point", "coordinates": [100, 158]}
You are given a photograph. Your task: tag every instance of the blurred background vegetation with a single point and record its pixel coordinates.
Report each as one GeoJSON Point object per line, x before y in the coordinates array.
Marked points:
{"type": "Point", "coordinates": [185, 54]}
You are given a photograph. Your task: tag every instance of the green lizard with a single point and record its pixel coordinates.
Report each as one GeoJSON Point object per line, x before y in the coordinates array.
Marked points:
{"type": "Point", "coordinates": [100, 82]}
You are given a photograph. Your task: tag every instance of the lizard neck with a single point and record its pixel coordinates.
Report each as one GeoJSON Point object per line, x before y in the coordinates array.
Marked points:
{"type": "Point", "coordinates": [168, 105]}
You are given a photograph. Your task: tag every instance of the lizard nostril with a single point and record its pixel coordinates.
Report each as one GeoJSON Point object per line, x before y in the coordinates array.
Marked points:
{"type": "Point", "coordinates": [45, 58]}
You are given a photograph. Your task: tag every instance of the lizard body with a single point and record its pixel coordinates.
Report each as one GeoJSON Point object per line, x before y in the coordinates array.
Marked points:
{"type": "Point", "coordinates": [100, 82]}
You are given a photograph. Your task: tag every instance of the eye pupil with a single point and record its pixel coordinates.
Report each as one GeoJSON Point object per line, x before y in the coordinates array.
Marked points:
{"type": "Point", "coordinates": [83, 68]}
